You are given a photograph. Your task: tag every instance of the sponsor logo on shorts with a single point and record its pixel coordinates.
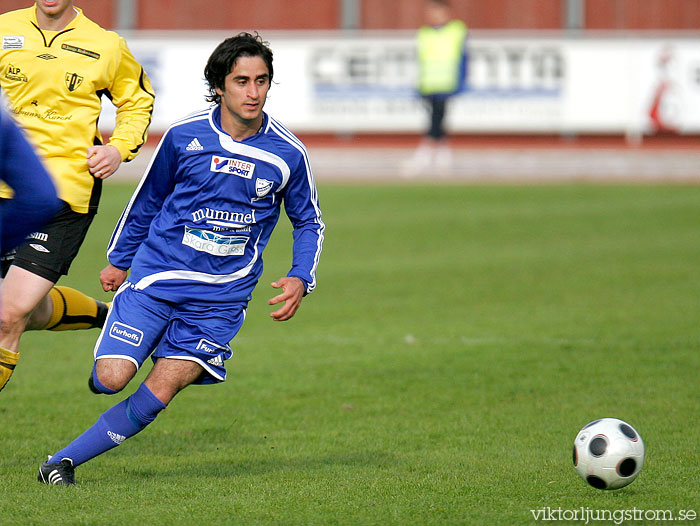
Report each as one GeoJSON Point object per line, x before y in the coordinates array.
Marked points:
{"type": "Point", "coordinates": [125, 333]}
{"type": "Point", "coordinates": [214, 243]}
{"type": "Point", "coordinates": [12, 42]}
{"type": "Point", "coordinates": [39, 248]}
{"type": "Point", "coordinates": [210, 347]}
{"type": "Point", "coordinates": [216, 361]}
{"type": "Point", "coordinates": [232, 166]}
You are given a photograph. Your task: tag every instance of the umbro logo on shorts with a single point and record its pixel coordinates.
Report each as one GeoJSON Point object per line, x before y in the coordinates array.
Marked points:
{"type": "Point", "coordinates": [194, 145]}
{"type": "Point", "coordinates": [39, 248]}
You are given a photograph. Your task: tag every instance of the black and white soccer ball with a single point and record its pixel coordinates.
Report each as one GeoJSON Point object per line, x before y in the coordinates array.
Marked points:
{"type": "Point", "coordinates": [608, 453]}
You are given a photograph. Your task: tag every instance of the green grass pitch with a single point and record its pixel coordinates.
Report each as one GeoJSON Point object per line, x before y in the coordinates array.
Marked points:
{"type": "Point", "coordinates": [458, 339]}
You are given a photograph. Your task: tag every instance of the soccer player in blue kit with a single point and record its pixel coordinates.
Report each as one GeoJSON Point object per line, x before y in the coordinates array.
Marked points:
{"type": "Point", "coordinates": [192, 237]}
{"type": "Point", "coordinates": [34, 201]}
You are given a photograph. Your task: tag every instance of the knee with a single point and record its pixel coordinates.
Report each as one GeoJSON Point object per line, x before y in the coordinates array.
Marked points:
{"type": "Point", "coordinates": [12, 319]}
{"type": "Point", "coordinates": [98, 387]}
{"type": "Point", "coordinates": [109, 380]}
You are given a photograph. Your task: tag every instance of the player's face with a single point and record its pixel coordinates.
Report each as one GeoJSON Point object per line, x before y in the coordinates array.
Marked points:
{"type": "Point", "coordinates": [245, 90]}
{"type": "Point", "coordinates": [54, 9]}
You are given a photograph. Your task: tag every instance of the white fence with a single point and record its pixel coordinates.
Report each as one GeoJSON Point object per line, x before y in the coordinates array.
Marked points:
{"type": "Point", "coordinates": [364, 82]}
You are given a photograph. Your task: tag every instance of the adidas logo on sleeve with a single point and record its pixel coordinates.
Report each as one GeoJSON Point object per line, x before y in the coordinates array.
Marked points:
{"type": "Point", "coordinates": [194, 145]}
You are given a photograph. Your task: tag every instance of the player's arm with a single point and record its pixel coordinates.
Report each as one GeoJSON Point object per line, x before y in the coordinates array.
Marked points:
{"type": "Point", "coordinates": [34, 201]}
{"type": "Point", "coordinates": [302, 208]}
{"type": "Point", "coordinates": [301, 205]}
{"type": "Point", "coordinates": [147, 200]}
{"type": "Point", "coordinates": [132, 94]}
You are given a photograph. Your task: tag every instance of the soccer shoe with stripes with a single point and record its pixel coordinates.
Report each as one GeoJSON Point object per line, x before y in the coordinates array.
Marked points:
{"type": "Point", "coordinates": [8, 360]}
{"type": "Point", "coordinates": [57, 473]}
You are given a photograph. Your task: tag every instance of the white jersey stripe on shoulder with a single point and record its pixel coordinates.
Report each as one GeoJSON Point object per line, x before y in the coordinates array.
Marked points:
{"type": "Point", "coordinates": [267, 126]}
{"type": "Point", "coordinates": [283, 130]}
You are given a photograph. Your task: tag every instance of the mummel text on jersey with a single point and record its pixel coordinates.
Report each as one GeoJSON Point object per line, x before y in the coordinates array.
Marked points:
{"type": "Point", "coordinates": [207, 206]}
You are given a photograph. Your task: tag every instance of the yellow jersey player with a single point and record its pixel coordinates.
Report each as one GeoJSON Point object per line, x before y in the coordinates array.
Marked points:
{"type": "Point", "coordinates": [55, 65]}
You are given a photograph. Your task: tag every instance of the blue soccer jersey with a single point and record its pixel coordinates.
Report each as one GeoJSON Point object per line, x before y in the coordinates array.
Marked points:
{"type": "Point", "coordinates": [199, 220]}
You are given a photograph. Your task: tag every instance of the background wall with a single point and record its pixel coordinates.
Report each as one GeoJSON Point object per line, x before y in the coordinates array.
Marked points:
{"type": "Point", "coordinates": [380, 14]}
{"type": "Point", "coordinates": [535, 66]}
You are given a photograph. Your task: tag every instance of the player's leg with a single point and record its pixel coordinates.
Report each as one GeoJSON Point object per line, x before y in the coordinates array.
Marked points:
{"type": "Point", "coordinates": [124, 420]}
{"type": "Point", "coordinates": [423, 156]}
{"type": "Point", "coordinates": [67, 309]}
{"type": "Point", "coordinates": [19, 294]}
{"type": "Point", "coordinates": [443, 155]}
{"type": "Point", "coordinates": [27, 289]}
{"type": "Point", "coordinates": [49, 254]}
{"type": "Point", "coordinates": [192, 345]}
{"type": "Point", "coordinates": [134, 327]}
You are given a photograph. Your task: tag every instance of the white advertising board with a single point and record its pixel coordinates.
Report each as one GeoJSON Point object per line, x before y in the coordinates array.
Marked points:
{"type": "Point", "coordinates": [339, 83]}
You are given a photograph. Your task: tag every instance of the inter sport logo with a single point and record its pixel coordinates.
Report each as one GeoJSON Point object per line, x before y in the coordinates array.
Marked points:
{"type": "Point", "coordinates": [232, 166]}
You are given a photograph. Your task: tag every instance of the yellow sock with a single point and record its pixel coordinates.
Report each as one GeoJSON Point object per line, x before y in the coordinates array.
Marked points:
{"type": "Point", "coordinates": [8, 360]}
{"type": "Point", "coordinates": [73, 310]}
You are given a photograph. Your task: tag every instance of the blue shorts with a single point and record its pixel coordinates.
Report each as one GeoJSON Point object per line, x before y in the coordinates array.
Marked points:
{"type": "Point", "coordinates": [139, 326]}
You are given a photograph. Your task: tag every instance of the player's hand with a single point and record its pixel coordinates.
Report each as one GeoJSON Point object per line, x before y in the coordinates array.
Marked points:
{"type": "Point", "coordinates": [112, 277]}
{"type": "Point", "coordinates": [103, 160]}
{"type": "Point", "coordinates": [292, 293]}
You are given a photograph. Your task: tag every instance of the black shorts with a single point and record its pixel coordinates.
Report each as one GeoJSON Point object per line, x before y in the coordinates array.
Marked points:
{"type": "Point", "coordinates": [50, 252]}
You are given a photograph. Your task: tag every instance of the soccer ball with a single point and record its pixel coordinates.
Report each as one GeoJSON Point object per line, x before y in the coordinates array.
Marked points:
{"type": "Point", "coordinates": [608, 453]}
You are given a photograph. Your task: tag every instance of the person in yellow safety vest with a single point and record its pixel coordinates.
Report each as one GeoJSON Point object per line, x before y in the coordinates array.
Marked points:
{"type": "Point", "coordinates": [442, 63]}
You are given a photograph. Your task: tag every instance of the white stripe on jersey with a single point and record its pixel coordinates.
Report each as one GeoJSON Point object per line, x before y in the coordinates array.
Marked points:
{"type": "Point", "coordinates": [227, 143]}
{"type": "Point", "coordinates": [199, 276]}
{"type": "Point", "coordinates": [122, 220]}
{"type": "Point", "coordinates": [285, 134]}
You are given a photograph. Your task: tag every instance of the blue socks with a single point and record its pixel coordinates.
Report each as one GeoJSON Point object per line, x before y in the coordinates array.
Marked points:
{"type": "Point", "coordinates": [115, 425]}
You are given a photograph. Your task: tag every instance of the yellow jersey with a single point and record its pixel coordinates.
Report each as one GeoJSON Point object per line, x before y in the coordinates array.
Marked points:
{"type": "Point", "coordinates": [54, 81]}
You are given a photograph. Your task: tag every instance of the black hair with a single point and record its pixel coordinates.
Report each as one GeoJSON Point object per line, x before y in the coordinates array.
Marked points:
{"type": "Point", "coordinates": [224, 57]}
